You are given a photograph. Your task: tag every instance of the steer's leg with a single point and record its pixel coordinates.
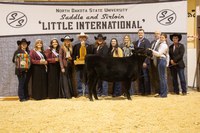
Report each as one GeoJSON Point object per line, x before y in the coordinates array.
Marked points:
{"type": "Point", "coordinates": [90, 82]}
{"type": "Point", "coordinates": [127, 87]}
{"type": "Point", "coordinates": [94, 89]}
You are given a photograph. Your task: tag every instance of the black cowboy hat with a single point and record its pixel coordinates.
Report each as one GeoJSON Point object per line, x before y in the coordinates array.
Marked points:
{"type": "Point", "coordinates": [100, 36]}
{"type": "Point", "coordinates": [67, 37]}
{"type": "Point", "coordinates": [23, 40]}
{"type": "Point", "coordinates": [175, 34]}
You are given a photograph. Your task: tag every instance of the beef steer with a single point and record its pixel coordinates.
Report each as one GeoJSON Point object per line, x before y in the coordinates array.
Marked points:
{"type": "Point", "coordinates": [114, 69]}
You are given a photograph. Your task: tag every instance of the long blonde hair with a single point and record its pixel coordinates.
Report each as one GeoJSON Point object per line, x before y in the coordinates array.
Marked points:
{"type": "Point", "coordinates": [64, 47]}
{"type": "Point", "coordinates": [129, 42]}
{"type": "Point", "coordinates": [36, 42]}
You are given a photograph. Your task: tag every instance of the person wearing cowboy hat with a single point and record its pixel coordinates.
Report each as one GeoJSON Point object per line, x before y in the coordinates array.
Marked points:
{"type": "Point", "coordinates": [101, 49]}
{"type": "Point", "coordinates": [21, 59]}
{"type": "Point", "coordinates": [80, 50]}
{"type": "Point", "coordinates": [177, 65]}
{"type": "Point", "coordinates": [66, 89]}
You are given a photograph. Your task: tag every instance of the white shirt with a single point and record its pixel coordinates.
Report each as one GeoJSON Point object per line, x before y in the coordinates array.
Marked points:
{"type": "Point", "coordinates": [163, 51]}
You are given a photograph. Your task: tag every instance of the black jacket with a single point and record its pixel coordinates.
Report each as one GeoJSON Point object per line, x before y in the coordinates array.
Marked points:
{"type": "Point", "coordinates": [102, 51]}
{"type": "Point", "coordinates": [177, 55]}
{"type": "Point", "coordinates": [76, 49]}
{"type": "Point", "coordinates": [145, 43]}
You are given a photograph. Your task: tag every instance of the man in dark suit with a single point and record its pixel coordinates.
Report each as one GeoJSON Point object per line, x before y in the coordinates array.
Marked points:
{"type": "Point", "coordinates": [79, 52]}
{"type": "Point", "coordinates": [176, 52]}
{"type": "Point", "coordinates": [144, 82]}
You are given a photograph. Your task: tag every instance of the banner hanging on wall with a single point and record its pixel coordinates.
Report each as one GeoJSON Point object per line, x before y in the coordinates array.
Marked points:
{"type": "Point", "coordinates": [26, 19]}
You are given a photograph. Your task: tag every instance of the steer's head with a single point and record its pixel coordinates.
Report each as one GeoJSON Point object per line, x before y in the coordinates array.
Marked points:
{"type": "Point", "coordinates": [143, 52]}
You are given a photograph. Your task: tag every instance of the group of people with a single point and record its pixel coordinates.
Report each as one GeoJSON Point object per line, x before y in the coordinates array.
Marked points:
{"type": "Point", "coordinates": [51, 70]}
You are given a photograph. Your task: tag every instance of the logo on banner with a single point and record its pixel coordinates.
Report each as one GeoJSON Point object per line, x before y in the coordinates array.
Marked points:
{"type": "Point", "coordinates": [16, 19]}
{"type": "Point", "coordinates": [166, 17]}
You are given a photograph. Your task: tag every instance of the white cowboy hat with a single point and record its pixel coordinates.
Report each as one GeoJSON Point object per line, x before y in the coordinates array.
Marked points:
{"type": "Point", "coordinates": [82, 34]}
{"type": "Point", "coordinates": [67, 37]}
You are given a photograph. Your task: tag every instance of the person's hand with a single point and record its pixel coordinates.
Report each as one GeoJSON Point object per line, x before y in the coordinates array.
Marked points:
{"type": "Point", "coordinates": [56, 59]}
{"type": "Point", "coordinates": [70, 58]}
{"type": "Point", "coordinates": [63, 70]}
{"type": "Point", "coordinates": [83, 43]}
{"type": "Point", "coordinates": [172, 62]}
{"type": "Point", "coordinates": [43, 62]}
{"type": "Point", "coordinates": [144, 65]}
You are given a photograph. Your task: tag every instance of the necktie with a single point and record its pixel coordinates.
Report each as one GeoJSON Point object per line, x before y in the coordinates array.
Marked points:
{"type": "Point", "coordinates": [157, 46]}
{"type": "Point", "coordinates": [139, 43]}
{"type": "Point", "coordinates": [154, 44]}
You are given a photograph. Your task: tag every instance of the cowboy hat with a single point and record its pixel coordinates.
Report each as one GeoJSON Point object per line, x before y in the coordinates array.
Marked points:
{"type": "Point", "coordinates": [67, 37]}
{"type": "Point", "coordinates": [23, 40]}
{"type": "Point", "coordinates": [82, 34]}
{"type": "Point", "coordinates": [175, 34]}
{"type": "Point", "coordinates": [100, 36]}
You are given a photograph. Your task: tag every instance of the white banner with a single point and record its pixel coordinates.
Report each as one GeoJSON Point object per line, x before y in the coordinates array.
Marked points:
{"type": "Point", "coordinates": [22, 19]}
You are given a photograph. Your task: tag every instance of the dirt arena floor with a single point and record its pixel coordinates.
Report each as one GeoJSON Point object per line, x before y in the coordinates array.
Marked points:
{"type": "Point", "coordinates": [175, 114]}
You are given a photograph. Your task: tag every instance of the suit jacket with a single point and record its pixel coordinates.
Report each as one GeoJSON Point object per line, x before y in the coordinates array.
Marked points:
{"type": "Point", "coordinates": [177, 55]}
{"type": "Point", "coordinates": [145, 43]}
{"type": "Point", "coordinates": [76, 50]}
{"type": "Point", "coordinates": [50, 56]}
{"type": "Point", "coordinates": [35, 58]}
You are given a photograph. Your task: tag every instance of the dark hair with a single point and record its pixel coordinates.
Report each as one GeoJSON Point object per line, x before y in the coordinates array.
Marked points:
{"type": "Point", "coordinates": [51, 46]}
{"type": "Point", "coordinates": [96, 43]}
{"type": "Point", "coordinates": [116, 47]}
{"type": "Point", "coordinates": [141, 30]}
{"type": "Point", "coordinates": [165, 35]}
{"type": "Point", "coordinates": [20, 47]}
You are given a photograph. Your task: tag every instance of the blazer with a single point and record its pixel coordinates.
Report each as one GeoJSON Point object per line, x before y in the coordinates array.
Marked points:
{"type": "Point", "coordinates": [144, 43]}
{"type": "Point", "coordinates": [35, 58]}
{"type": "Point", "coordinates": [63, 59]}
{"type": "Point", "coordinates": [50, 56]}
{"type": "Point", "coordinates": [76, 50]}
{"type": "Point", "coordinates": [177, 55]}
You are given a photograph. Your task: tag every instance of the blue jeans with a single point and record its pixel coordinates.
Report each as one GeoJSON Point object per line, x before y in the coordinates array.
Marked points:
{"type": "Point", "coordinates": [116, 88]}
{"type": "Point", "coordinates": [102, 88]}
{"type": "Point", "coordinates": [131, 90]}
{"type": "Point", "coordinates": [144, 82]}
{"type": "Point", "coordinates": [162, 79]}
{"type": "Point", "coordinates": [180, 72]}
{"type": "Point", "coordinates": [22, 86]}
{"type": "Point", "coordinates": [82, 87]}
